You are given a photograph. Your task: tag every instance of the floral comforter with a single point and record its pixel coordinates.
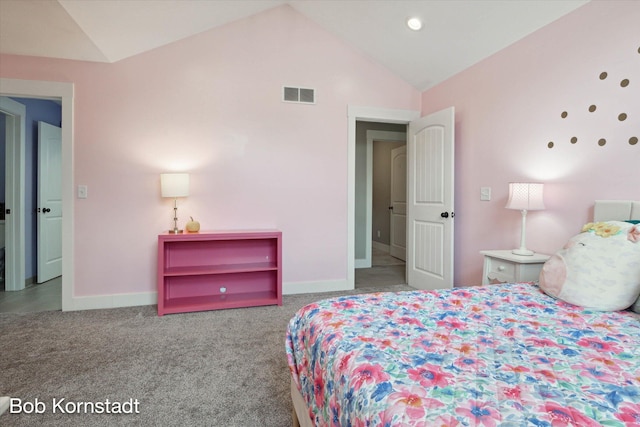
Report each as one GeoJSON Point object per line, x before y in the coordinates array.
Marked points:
{"type": "Point", "coordinates": [504, 355]}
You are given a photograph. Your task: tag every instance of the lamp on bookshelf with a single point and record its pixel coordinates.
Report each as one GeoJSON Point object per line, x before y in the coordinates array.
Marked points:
{"type": "Point", "coordinates": [525, 196]}
{"type": "Point", "coordinates": [174, 185]}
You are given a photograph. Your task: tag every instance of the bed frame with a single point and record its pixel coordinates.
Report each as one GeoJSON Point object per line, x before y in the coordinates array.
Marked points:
{"type": "Point", "coordinates": [300, 413]}
{"type": "Point", "coordinates": [603, 210]}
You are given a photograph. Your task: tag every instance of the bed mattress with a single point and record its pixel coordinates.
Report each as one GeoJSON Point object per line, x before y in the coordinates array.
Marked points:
{"type": "Point", "coordinates": [505, 355]}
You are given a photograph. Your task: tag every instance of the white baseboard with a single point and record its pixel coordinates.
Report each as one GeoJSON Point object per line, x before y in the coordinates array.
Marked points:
{"type": "Point", "coordinates": [113, 301]}
{"type": "Point", "coordinates": [4, 403]}
{"type": "Point", "coordinates": [151, 298]}
{"type": "Point", "coordinates": [314, 287]}
{"type": "Point", "coordinates": [362, 263]}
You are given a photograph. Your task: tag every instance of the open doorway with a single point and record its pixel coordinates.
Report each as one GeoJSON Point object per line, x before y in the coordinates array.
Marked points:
{"type": "Point", "coordinates": [63, 94]}
{"type": "Point", "coordinates": [430, 169]}
{"type": "Point", "coordinates": [376, 262]}
{"type": "Point", "coordinates": [29, 290]}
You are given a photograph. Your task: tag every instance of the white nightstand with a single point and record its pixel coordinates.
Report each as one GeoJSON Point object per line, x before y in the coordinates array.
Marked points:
{"type": "Point", "coordinates": [503, 266]}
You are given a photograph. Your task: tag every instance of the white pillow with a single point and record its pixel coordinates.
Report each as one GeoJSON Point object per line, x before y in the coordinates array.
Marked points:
{"type": "Point", "coordinates": [598, 269]}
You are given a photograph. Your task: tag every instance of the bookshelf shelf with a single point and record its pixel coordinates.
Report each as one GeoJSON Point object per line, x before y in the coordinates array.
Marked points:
{"type": "Point", "coordinates": [219, 269]}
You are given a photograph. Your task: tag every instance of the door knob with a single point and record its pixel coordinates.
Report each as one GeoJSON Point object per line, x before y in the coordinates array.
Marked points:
{"type": "Point", "coordinates": [444, 214]}
{"type": "Point", "coordinates": [390, 208]}
{"type": "Point", "coordinates": [45, 210]}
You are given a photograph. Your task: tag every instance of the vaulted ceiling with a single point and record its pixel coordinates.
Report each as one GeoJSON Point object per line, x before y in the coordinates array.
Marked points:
{"type": "Point", "coordinates": [456, 33]}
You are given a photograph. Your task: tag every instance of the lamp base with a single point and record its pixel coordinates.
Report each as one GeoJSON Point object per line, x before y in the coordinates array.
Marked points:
{"type": "Point", "coordinates": [523, 252]}
{"type": "Point", "coordinates": [175, 231]}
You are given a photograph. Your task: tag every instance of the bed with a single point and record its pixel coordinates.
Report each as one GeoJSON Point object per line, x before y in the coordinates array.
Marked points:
{"type": "Point", "coordinates": [507, 355]}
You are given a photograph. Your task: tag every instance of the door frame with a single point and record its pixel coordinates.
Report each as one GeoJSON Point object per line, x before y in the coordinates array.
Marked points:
{"type": "Point", "coordinates": [63, 92]}
{"type": "Point", "coordinates": [364, 114]}
{"type": "Point", "coordinates": [372, 136]}
{"type": "Point", "coordinates": [14, 195]}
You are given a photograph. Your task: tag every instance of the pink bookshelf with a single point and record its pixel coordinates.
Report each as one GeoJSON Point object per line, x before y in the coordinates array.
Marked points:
{"type": "Point", "coordinates": [213, 270]}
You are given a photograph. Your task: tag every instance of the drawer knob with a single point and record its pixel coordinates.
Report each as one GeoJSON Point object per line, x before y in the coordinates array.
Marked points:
{"type": "Point", "coordinates": [501, 268]}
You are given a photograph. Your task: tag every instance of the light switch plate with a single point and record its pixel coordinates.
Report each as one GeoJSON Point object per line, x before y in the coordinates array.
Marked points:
{"type": "Point", "coordinates": [82, 191]}
{"type": "Point", "coordinates": [485, 193]}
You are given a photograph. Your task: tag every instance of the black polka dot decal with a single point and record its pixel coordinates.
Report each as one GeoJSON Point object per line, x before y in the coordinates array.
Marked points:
{"type": "Point", "coordinates": [592, 108]}
{"type": "Point", "coordinates": [633, 140]}
{"type": "Point", "coordinates": [602, 142]}
{"type": "Point", "coordinates": [622, 117]}
{"type": "Point", "coordinates": [564, 114]}
{"type": "Point", "coordinates": [574, 140]}
{"type": "Point", "coordinates": [550, 144]}
{"type": "Point", "coordinates": [603, 75]}
{"type": "Point", "coordinates": [624, 83]}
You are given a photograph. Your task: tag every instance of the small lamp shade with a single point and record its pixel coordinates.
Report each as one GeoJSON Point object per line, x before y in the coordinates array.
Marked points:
{"type": "Point", "coordinates": [174, 184]}
{"type": "Point", "coordinates": [525, 196]}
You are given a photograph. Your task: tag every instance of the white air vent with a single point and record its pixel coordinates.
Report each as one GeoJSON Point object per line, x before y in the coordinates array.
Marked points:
{"type": "Point", "coordinates": [298, 94]}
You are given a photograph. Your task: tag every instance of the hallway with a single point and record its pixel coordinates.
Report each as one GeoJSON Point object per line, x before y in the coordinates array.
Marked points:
{"type": "Point", "coordinates": [46, 296]}
{"type": "Point", "coordinates": [385, 270]}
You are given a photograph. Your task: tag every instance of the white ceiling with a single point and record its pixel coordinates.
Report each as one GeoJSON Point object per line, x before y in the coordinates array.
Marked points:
{"type": "Point", "coordinates": [456, 33]}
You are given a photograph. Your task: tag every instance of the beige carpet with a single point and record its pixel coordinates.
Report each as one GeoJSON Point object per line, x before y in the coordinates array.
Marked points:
{"type": "Point", "coordinates": [218, 368]}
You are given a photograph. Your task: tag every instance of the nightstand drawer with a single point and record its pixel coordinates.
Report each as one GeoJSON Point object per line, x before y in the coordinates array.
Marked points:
{"type": "Point", "coordinates": [502, 266]}
{"type": "Point", "coordinates": [502, 271]}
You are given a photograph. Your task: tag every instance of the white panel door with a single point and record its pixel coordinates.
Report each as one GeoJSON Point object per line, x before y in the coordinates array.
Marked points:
{"type": "Point", "coordinates": [398, 208]}
{"type": "Point", "coordinates": [49, 202]}
{"type": "Point", "coordinates": [430, 201]}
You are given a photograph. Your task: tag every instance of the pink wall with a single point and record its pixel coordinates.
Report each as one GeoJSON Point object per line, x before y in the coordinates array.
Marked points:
{"type": "Point", "coordinates": [508, 107]}
{"type": "Point", "coordinates": [210, 105]}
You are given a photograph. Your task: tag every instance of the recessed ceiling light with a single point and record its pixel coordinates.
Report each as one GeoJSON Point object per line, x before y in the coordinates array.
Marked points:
{"type": "Point", "coordinates": [414, 23]}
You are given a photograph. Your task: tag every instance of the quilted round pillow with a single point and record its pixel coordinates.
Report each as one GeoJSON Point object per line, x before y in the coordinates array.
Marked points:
{"type": "Point", "coordinates": [597, 269]}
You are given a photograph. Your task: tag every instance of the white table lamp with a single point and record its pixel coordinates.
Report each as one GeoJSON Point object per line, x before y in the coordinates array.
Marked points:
{"type": "Point", "coordinates": [525, 196]}
{"type": "Point", "coordinates": [174, 185]}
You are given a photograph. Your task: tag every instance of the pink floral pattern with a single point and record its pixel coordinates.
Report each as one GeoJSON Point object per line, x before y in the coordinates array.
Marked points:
{"type": "Point", "coordinates": [500, 355]}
